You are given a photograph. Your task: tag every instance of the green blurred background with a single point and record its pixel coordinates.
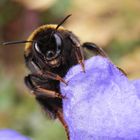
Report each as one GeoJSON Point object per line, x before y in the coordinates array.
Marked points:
{"type": "Point", "coordinates": [113, 25]}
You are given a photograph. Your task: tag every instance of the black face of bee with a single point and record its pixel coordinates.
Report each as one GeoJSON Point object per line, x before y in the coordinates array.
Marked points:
{"type": "Point", "coordinates": [49, 48]}
{"type": "Point", "coordinates": [49, 58]}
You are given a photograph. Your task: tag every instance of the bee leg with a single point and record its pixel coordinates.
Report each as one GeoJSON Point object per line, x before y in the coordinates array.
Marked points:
{"type": "Point", "coordinates": [94, 48]}
{"type": "Point", "coordinates": [50, 75]}
{"type": "Point", "coordinates": [61, 118]}
{"type": "Point", "coordinates": [53, 76]}
{"type": "Point", "coordinates": [78, 51]}
{"type": "Point", "coordinates": [37, 90]}
{"type": "Point", "coordinates": [32, 65]}
{"type": "Point", "coordinates": [50, 93]}
{"type": "Point", "coordinates": [122, 71]}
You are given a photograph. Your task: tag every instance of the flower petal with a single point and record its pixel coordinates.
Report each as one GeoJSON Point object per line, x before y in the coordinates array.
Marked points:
{"type": "Point", "coordinates": [102, 103]}
{"type": "Point", "coordinates": [8, 134]}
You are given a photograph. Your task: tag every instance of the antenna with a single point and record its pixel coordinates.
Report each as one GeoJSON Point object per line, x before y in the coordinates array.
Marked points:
{"type": "Point", "coordinates": [62, 21]}
{"type": "Point", "coordinates": [14, 42]}
{"type": "Point", "coordinates": [59, 25]}
{"type": "Point", "coordinates": [25, 41]}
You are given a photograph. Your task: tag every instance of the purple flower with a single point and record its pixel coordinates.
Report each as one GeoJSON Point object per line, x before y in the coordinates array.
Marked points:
{"type": "Point", "coordinates": [8, 134]}
{"type": "Point", "coordinates": [101, 104]}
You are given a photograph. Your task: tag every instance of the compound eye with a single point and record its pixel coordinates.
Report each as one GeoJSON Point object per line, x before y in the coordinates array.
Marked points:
{"type": "Point", "coordinates": [55, 47]}
{"type": "Point", "coordinates": [37, 49]}
{"type": "Point", "coordinates": [58, 43]}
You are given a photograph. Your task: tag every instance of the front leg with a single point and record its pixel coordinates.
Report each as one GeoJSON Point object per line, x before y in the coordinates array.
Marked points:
{"type": "Point", "coordinates": [36, 70]}
{"type": "Point", "coordinates": [51, 75]}
{"type": "Point", "coordinates": [38, 90]}
{"type": "Point", "coordinates": [78, 51]}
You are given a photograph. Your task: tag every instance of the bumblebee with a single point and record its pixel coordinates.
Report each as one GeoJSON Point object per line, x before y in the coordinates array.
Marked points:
{"type": "Point", "coordinates": [50, 51]}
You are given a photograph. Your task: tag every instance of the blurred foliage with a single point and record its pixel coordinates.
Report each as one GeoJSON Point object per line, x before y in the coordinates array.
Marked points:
{"type": "Point", "coordinates": [113, 25]}
{"type": "Point", "coordinates": [118, 49]}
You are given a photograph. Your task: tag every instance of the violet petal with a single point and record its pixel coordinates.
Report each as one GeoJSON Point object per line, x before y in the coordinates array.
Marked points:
{"type": "Point", "coordinates": [101, 104]}
{"type": "Point", "coordinates": [8, 134]}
